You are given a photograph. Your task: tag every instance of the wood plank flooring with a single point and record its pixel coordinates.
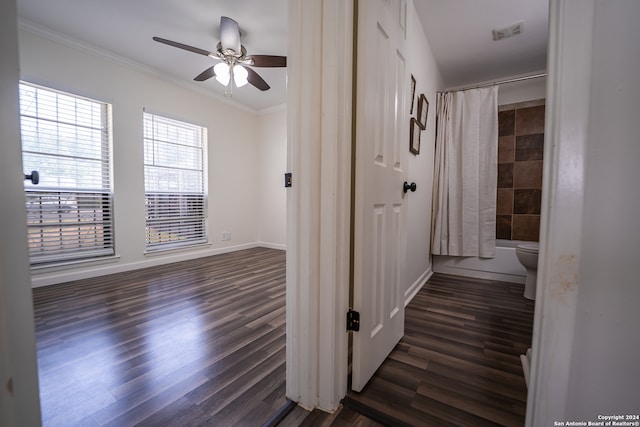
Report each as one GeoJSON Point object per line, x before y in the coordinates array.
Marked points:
{"type": "Point", "coordinates": [458, 363]}
{"type": "Point", "coordinates": [203, 343]}
{"type": "Point", "coordinates": [200, 342]}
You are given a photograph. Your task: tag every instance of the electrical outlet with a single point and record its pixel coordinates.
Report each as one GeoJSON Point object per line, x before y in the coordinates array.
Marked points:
{"type": "Point", "coordinates": [226, 236]}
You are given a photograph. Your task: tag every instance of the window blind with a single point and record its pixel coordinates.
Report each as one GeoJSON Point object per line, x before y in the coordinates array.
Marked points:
{"type": "Point", "coordinates": [67, 139]}
{"type": "Point", "coordinates": [175, 183]}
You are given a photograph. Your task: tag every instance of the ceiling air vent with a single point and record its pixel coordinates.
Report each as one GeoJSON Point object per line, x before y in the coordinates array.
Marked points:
{"type": "Point", "coordinates": [510, 31]}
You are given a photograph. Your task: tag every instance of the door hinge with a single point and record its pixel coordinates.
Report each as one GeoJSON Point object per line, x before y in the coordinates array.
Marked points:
{"type": "Point", "coordinates": [287, 179]}
{"type": "Point", "coordinates": [353, 320]}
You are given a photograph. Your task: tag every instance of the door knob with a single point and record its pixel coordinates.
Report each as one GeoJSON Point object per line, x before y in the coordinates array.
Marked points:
{"type": "Point", "coordinates": [34, 177]}
{"type": "Point", "coordinates": [406, 187]}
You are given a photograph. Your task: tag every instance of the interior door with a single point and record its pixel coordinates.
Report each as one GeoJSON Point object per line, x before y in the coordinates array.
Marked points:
{"type": "Point", "coordinates": [380, 170]}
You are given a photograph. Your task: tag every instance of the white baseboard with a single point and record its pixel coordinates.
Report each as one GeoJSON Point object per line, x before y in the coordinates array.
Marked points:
{"type": "Point", "coordinates": [478, 274]}
{"type": "Point", "coordinates": [417, 285]}
{"type": "Point", "coordinates": [278, 246]}
{"type": "Point", "coordinates": [504, 267]}
{"type": "Point", "coordinates": [101, 268]}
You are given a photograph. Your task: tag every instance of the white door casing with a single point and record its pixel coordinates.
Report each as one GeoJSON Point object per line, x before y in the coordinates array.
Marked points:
{"type": "Point", "coordinates": [380, 170]}
{"type": "Point", "coordinates": [19, 400]}
{"type": "Point", "coordinates": [319, 109]}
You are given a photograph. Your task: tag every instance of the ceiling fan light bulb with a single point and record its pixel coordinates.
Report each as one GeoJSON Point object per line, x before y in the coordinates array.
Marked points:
{"type": "Point", "coordinates": [222, 73]}
{"type": "Point", "coordinates": [240, 75]}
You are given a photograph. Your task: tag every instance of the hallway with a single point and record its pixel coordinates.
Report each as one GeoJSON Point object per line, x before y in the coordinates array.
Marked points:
{"type": "Point", "coordinates": [458, 363]}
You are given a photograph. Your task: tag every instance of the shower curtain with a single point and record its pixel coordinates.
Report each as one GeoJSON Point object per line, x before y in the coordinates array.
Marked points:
{"type": "Point", "coordinates": [465, 182]}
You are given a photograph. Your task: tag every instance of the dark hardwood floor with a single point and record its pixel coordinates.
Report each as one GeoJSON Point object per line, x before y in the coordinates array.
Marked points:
{"type": "Point", "coordinates": [200, 342]}
{"type": "Point", "coordinates": [458, 363]}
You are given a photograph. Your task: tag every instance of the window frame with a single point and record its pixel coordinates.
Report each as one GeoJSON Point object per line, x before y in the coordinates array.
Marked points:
{"type": "Point", "coordinates": [66, 221]}
{"type": "Point", "coordinates": [174, 218]}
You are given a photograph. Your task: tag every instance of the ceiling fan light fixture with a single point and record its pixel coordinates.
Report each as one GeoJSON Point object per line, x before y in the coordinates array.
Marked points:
{"type": "Point", "coordinates": [222, 73]}
{"type": "Point", "coordinates": [232, 54]}
{"type": "Point", "coordinates": [240, 75]}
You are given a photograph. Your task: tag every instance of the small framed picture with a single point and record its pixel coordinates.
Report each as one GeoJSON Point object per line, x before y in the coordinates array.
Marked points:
{"type": "Point", "coordinates": [423, 111]}
{"type": "Point", "coordinates": [414, 136]}
{"type": "Point", "coordinates": [413, 93]}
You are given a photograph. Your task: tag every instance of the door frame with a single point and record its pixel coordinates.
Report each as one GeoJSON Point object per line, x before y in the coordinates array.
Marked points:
{"type": "Point", "coordinates": [567, 121]}
{"type": "Point", "coordinates": [19, 398]}
{"type": "Point", "coordinates": [317, 271]}
{"type": "Point", "coordinates": [319, 141]}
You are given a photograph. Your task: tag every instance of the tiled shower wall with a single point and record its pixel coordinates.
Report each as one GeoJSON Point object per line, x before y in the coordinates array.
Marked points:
{"type": "Point", "coordinates": [520, 154]}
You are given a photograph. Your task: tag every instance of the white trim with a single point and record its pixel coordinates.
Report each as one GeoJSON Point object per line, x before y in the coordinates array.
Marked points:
{"type": "Point", "coordinates": [58, 276]}
{"type": "Point", "coordinates": [567, 120]}
{"type": "Point", "coordinates": [335, 200]}
{"type": "Point", "coordinates": [37, 268]}
{"type": "Point", "coordinates": [479, 274]}
{"type": "Point", "coordinates": [278, 246]}
{"type": "Point", "coordinates": [19, 404]}
{"type": "Point", "coordinates": [161, 251]}
{"type": "Point", "coordinates": [274, 109]}
{"type": "Point", "coordinates": [301, 346]}
{"type": "Point", "coordinates": [413, 290]}
{"type": "Point", "coordinates": [318, 203]}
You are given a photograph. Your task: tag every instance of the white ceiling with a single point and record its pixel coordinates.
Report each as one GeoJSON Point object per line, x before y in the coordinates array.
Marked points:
{"type": "Point", "coordinates": [125, 28]}
{"type": "Point", "coordinates": [459, 32]}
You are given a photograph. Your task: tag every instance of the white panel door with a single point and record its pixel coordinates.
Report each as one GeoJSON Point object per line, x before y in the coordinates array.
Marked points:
{"type": "Point", "coordinates": [381, 154]}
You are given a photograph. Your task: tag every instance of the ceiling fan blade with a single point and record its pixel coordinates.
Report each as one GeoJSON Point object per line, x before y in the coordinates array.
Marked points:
{"type": "Point", "coordinates": [185, 47]}
{"type": "Point", "coordinates": [205, 75]}
{"type": "Point", "coordinates": [267, 61]}
{"type": "Point", "coordinates": [257, 81]}
{"type": "Point", "coordinates": [229, 34]}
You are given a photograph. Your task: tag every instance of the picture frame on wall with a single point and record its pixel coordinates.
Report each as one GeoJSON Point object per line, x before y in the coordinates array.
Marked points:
{"type": "Point", "coordinates": [423, 111]}
{"type": "Point", "coordinates": [414, 136]}
{"type": "Point", "coordinates": [413, 93]}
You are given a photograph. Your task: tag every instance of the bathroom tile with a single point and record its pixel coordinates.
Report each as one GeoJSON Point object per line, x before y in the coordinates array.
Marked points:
{"type": "Point", "coordinates": [526, 174]}
{"type": "Point", "coordinates": [506, 122]}
{"type": "Point", "coordinates": [505, 175]}
{"type": "Point", "coordinates": [526, 227]}
{"type": "Point", "coordinates": [528, 147]}
{"type": "Point", "coordinates": [529, 120]}
{"type": "Point", "coordinates": [503, 227]}
{"type": "Point", "coordinates": [526, 201]}
{"type": "Point", "coordinates": [506, 149]}
{"type": "Point", "coordinates": [504, 201]}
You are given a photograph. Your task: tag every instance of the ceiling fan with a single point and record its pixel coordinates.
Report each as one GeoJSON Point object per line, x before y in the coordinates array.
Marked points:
{"type": "Point", "coordinates": [235, 63]}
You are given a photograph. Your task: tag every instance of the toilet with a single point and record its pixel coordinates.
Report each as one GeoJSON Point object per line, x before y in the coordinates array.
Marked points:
{"type": "Point", "coordinates": [527, 254]}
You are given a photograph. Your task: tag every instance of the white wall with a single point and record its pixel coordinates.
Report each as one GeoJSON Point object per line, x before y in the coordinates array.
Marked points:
{"type": "Point", "coordinates": [526, 90]}
{"type": "Point", "coordinates": [272, 163]}
{"type": "Point", "coordinates": [233, 153]}
{"type": "Point", "coordinates": [428, 81]}
{"type": "Point", "coordinates": [585, 337]}
{"type": "Point", "coordinates": [605, 372]}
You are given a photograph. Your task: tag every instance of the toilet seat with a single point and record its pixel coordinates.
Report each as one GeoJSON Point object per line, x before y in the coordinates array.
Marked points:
{"type": "Point", "coordinates": [531, 248]}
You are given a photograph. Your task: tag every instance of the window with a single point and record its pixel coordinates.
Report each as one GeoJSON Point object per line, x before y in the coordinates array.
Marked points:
{"type": "Point", "coordinates": [66, 138]}
{"type": "Point", "coordinates": [175, 183]}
